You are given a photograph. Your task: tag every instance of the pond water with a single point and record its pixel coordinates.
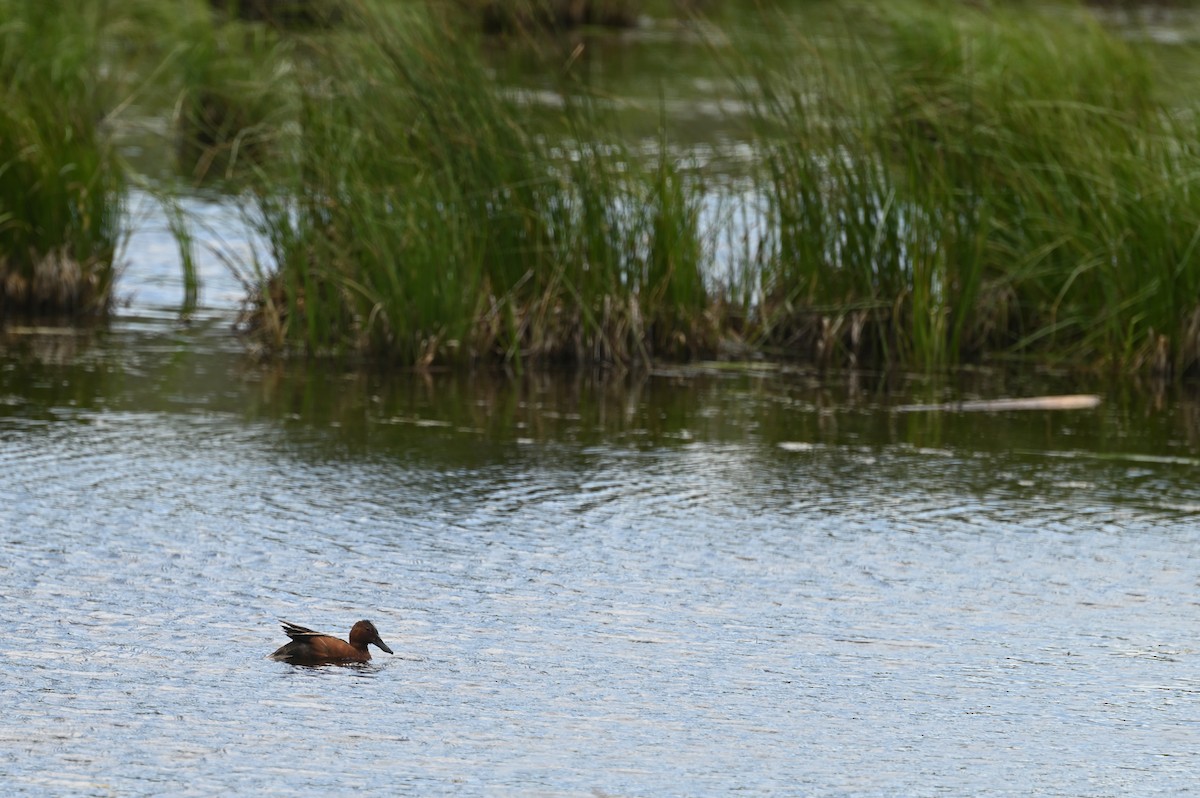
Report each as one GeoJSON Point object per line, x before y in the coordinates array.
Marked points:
{"type": "Point", "coordinates": [692, 582]}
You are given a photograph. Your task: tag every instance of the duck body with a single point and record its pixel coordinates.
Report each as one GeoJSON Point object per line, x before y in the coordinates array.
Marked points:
{"type": "Point", "coordinates": [316, 648]}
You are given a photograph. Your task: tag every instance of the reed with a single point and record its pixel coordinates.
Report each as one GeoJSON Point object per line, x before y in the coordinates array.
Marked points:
{"type": "Point", "coordinates": [433, 217]}
{"type": "Point", "coordinates": [61, 184]}
{"type": "Point", "coordinates": [942, 183]}
{"type": "Point", "coordinates": [233, 96]}
{"type": "Point", "coordinates": [978, 181]}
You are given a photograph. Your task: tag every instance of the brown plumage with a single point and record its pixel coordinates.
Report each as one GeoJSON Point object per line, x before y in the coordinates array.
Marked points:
{"type": "Point", "coordinates": [314, 648]}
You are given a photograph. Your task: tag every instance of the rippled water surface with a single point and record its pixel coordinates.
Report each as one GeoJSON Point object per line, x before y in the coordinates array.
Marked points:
{"type": "Point", "coordinates": [688, 583]}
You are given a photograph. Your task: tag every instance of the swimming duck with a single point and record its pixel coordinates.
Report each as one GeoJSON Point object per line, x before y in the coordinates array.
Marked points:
{"type": "Point", "coordinates": [314, 648]}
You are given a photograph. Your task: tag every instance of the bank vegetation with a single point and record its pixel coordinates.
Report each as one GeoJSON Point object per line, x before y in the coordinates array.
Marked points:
{"type": "Point", "coordinates": [939, 183]}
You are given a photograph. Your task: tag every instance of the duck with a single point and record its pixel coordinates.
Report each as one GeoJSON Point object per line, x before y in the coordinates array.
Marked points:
{"type": "Point", "coordinates": [316, 648]}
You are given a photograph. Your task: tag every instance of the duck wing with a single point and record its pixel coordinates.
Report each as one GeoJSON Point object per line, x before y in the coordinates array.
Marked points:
{"type": "Point", "coordinates": [298, 632]}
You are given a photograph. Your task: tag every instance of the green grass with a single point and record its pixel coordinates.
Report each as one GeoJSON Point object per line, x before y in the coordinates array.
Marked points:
{"type": "Point", "coordinates": [937, 183]}
{"type": "Point", "coordinates": [61, 186]}
{"type": "Point", "coordinates": [69, 78]}
{"type": "Point", "coordinates": [957, 183]}
{"type": "Point", "coordinates": [434, 217]}
{"type": "Point", "coordinates": [233, 98]}
{"type": "Point", "coordinates": [977, 180]}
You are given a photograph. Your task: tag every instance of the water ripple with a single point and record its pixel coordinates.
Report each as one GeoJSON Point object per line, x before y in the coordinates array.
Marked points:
{"type": "Point", "coordinates": [701, 616]}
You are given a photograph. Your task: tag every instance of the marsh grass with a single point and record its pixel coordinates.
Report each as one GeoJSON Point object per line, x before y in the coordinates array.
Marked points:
{"type": "Point", "coordinates": [233, 98]}
{"type": "Point", "coordinates": [979, 181]}
{"type": "Point", "coordinates": [940, 183]}
{"type": "Point", "coordinates": [960, 183]}
{"type": "Point", "coordinates": [61, 186]}
{"type": "Point", "coordinates": [434, 217]}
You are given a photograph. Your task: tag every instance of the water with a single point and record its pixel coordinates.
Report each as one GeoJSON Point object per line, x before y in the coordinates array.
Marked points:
{"type": "Point", "coordinates": [696, 582]}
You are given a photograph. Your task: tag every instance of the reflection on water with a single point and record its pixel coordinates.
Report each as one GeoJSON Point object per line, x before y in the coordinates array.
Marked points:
{"type": "Point", "coordinates": [691, 582]}
{"type": "Point", "coordinates": [682, 583]}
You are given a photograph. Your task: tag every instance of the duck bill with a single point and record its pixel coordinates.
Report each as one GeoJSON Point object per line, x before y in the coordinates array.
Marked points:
{"type": "Point", "coordinates": [382, 645]}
